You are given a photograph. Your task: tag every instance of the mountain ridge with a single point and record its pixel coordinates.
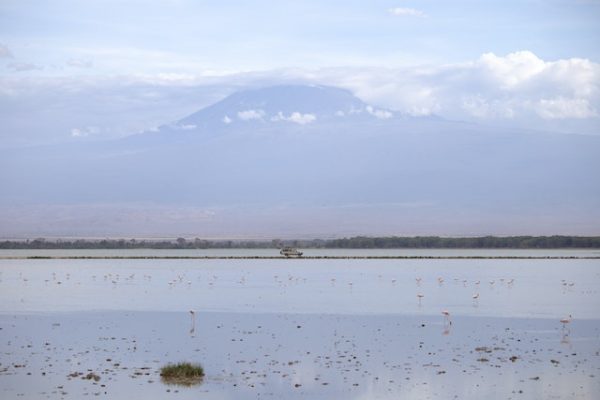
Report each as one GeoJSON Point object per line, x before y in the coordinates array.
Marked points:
{"type": "Point", "coordinates": [280, 103]}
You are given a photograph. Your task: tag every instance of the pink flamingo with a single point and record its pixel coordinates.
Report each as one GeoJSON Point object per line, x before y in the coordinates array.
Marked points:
{"type": "Point", "coordinates": [566, 321]}
{"type": "Point", "coordinates": [446, 315]}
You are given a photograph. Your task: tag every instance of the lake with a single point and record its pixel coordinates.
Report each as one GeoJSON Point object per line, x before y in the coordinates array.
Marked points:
{"type": "Point", "coordinates": [302, 328]}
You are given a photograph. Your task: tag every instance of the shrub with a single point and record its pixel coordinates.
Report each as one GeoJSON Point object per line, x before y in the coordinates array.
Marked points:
{"type": "Point", "coordinates": [183, 373]}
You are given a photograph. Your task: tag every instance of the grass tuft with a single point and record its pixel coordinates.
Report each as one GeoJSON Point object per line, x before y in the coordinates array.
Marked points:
{"type": "Point", "coordinates": [183, 373]}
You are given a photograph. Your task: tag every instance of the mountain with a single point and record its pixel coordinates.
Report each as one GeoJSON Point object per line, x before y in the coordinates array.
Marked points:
{"type": "Point", "coordinates": [292, 104]}
{"type": "Point", "coordinates": [271, 108]}
{"type": "Point", "coordinates": [305, 161]}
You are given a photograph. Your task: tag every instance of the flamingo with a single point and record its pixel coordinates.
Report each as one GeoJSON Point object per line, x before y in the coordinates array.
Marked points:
{"type": "Point", "coordinates": [566, 321]}
{"type": "Point", "coordinates": [446, 315]}
{"type": "Point", "coordinates": [193, 315]}
{"type": "Point", "coordinates": [420, 296]}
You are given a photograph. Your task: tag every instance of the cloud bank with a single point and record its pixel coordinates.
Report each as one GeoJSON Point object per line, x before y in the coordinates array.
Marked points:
{"type": "Point", "coordinates": [519, 85]}
{"type": "Point", "coordinates": [518, 89]}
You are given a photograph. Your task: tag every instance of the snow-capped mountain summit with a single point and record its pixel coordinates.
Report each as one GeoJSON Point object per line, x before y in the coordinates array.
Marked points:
{"type": "Point", "coordinates": [297, 104]}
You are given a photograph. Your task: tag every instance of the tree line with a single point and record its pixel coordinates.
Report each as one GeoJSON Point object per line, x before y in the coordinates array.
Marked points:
{"type": "Point", "coordinates": [357, 242]}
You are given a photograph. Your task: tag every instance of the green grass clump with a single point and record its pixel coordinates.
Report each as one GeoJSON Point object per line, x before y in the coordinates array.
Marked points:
{"type": "Point", "coordinates": [183, 373]}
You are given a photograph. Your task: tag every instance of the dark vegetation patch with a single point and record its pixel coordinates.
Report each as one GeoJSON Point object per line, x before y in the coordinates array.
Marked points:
{"type": "Point", "coordinates": [183, 373]}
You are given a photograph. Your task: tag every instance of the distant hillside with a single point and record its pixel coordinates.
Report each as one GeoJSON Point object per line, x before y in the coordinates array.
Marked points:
{"type": "Point", "coordinates": [305, 161]}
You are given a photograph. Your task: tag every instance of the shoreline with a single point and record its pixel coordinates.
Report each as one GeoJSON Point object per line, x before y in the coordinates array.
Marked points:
{"type": "Point", "coordinates": [300, 258]}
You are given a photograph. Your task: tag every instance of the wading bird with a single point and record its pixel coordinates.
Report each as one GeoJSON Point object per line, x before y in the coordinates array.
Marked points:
{"type": "Point", "coordinates": [566, 321]}
{"type": "Point", "coordinates": [475, 300]}
{"type": "Point", "coordinates": [446, 315]}
{"type": "Point", "coordinates": [193, 315]}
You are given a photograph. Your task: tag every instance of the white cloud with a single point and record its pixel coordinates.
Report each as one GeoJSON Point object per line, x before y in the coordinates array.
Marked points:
{"type": "Point", "coordinates": [187, 127]}
{"type": "Point", "coordinates": [381, 114]}
{"type": "Point", "coordinates": [560, 108]}
{"type": "Point", "coordinates": [227, 120]}
{"type": "Point", "coordinates": [512, 70]}
{"type": "Point", "coordinates": [406, 12]}
{"type": "Point", "coordinates": [84, 132]}
{"type": "Point", "coordinates": [302, 118]}
{"type": "Point", "coordinates": [296, 117]}
{"type": "Point", "coordinates": [519, 87]}
{"type": "Point", "coordinates": [248, 115]}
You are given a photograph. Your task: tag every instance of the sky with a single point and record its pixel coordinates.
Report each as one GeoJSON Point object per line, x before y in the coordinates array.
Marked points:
{"type": "Point", "coordinates": [74, 70]}
{"type": "Point", "coordinates": [75, 73]}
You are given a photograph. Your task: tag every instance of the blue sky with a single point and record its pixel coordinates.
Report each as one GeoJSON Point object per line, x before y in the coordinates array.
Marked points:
{"type": "Point", "coordinates": [83, 71]}
{"type": "Point", "coordinates": [500, 62]}
{"type": "Point", "coordinates": [181, 36]}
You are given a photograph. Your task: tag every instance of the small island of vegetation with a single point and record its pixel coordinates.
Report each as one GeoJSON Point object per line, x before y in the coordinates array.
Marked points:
{"type": "Point", "coordinates": [183, 373]}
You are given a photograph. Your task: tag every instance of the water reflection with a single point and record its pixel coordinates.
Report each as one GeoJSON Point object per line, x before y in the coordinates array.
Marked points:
{"type": "Point", "coordinates": [347, 329]}
{"type": "Point", "coordinates": [246, 356]}
{"type": "Point", "coordinates": [511, 287]}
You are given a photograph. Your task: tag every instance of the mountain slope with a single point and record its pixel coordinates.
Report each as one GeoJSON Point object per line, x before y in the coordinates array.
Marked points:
{"type": "Point", "coordinates": [350, 168]}
{"type": "Point", "coordinates": [279, 104]}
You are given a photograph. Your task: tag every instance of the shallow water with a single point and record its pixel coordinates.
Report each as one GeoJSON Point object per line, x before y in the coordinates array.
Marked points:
{"type": "Point", "coordinates": [336, 328]}
{"type": "Point", "coordinates": [299, 356]}
{"type": "Point", "coordinates": [506, 288]}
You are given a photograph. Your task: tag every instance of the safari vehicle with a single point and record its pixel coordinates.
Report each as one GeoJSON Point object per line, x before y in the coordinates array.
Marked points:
{"type": "Point", "coordinates": [290, 252]}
